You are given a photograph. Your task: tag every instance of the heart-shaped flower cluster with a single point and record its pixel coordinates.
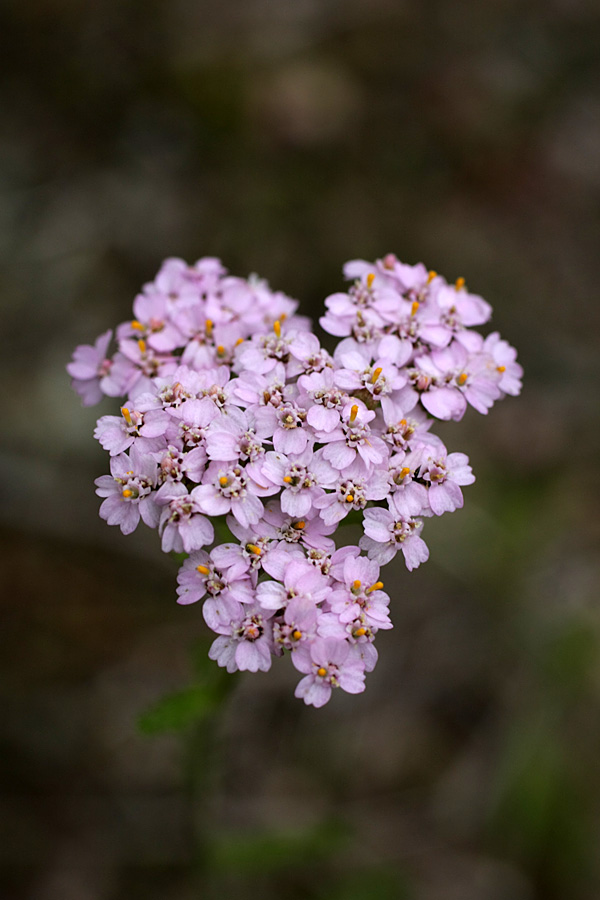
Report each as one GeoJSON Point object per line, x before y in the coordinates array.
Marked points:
{"type": "Point", "coordinates": [238, 424]}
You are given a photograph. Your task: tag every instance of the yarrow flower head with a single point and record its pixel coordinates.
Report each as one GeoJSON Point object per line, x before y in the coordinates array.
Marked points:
{"type": "Point", "coordinates": [247, 444]}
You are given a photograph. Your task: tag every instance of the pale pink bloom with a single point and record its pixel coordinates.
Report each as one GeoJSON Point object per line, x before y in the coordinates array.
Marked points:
{"type": "Point", "coordinates": [505, 358]}
{"type": "Point", "coordinates": [444, 473]}
{"type": "Point", "coordinates": [353, 438]}
{"type": "Point", "coordinates": [238, 438]}
{"type": "Point", "coordinates": [406, 429]}
{"type": "Point", "coordinates": [253, 389]}
{"type": "Point", "coordinates": [117, 433]}
{"type": "Point", "coordinates": [327, 664]}
{"type": "Point", "coordinates": [171, 391]}
{"type": "Point", "coordinates": [246, 640]}
{"type": "Point", "coordinates": [358, 372]}
{"type": "Point", "coordinates": [152, 323]}
{"type": "Point", "coordinates": [388, 531]}
{"type": "Point", "coordinates": [129, 491]}
{"type": "Point", "coordinates": [260, 548]}
{"type": "Point", "coordinates": [298, 624]}
{"type": "Point", "coordinates": [305, 347]}
{"type": "Point", "coordinates": [300, 579]}
{"type": "Point", "coordinates": [286, 424]}
{"type": "Point", "coordinates": [263, 352]}
{"type": "Point", "coordinates": [359, 592]}
{"type": "Point", "coordinates": [323, 399]}
{"type": "Point", "coordinates": [358, 633]}
{"type": "Point", "coordinates": [182, 527]}
{"type": "Point", "coordinates": [310, 530]}
{"type": "Point", "coordinates": [188, 424]}
{"type": "Point", "coordinates": [89, 368]}
{"type": "Point", "coordinates": [198, 577]}
{"type": "Point", "coordinates": [229, 488]}
{"type": "Point", "coordinates": [302, 478]}
{"type": "Point", "coordinates": [351, 493]}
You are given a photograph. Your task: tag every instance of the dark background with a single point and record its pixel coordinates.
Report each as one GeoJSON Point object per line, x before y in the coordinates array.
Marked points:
{"type": "Point", "coordinates": [286, 136]}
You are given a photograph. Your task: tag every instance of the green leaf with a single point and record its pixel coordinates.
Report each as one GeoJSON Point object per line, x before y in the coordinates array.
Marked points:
{"type": "Point", "coordinates": [179, 710]}
{"type": "Point", "coordinates": [274, 851]}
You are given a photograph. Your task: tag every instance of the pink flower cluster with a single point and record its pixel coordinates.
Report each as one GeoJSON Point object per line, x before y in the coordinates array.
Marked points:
{"type": "Point", "coordinates": [237, 421]}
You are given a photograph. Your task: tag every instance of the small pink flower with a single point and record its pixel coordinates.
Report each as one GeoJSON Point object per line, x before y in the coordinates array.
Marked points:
{"type": "Point", "coordinates": [326, 665]}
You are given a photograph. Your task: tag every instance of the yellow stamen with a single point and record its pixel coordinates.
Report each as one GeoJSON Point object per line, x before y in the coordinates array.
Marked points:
{"type": "Point", "coordinates": [296, 634]}
{"type": "Point", "coordinates": [349, 498]}
{"type": "Point", "coordinates": [356, 585]}
{"type": "Point", "coordinates": [501, 368]}
{"type": "Point", "coordinates": [277, 327]}
{"type": "Point", "coordinates": [223, 480]}
{"type": "Point", "coordinates": [254, 549]}
{"type": "Point", "coordinates": [239, 341]}
{"type": "Point", "coordinates": [375, 587]}
{"type": "Point", "coordinates": [322, 672]}
{"type": "Point", "coordinates": [414, 307]}
{"type": "Point", "coordinates": [220, 350]}
{"type": "Point", "coordinates": [127, 493]}
{"type": "Point", "coordinates": [459, 283]}
{"type": "Point", "coordinates": [142, 345]}
{"type": "Point", "coordinates": [287, 479]}
{"type": "Point", "coordinates": [137, 325]}
{"type": "Point", "coordinates": [208, 327]}
{"type": "Point", "coordinates": [403, 422]}
{"type": "Point", "coordinates": [370, 279]}
{"type": "Point", "coordinates": [431, 276]}
{"type": "Point", "coordinates": [204, 570]}
{"type": "Point", "coordinates": [126, 414]}
{"type": "Point", "coordinates": [359, 632]}
{"type": "Point", "coordinates": [376, 374]}
{"type": "Point", "coordinates": [300, 525]}
{"type": "Point", "coordinates": [283, 317]}
{"type": "Point", "coordinates": [462, 378]}
{"type": "Point", "coordinates": [353, 414]}
{"type": "Point", "coordinates": [404, 471]}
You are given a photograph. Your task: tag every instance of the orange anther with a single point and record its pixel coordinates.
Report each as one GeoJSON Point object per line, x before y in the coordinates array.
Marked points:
{"type": "Point", "coordinates": [375, 587]}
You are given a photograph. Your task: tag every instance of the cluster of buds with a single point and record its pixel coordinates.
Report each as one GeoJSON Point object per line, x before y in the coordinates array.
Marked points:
{"type": "Point", "coordinates": [247, 444]}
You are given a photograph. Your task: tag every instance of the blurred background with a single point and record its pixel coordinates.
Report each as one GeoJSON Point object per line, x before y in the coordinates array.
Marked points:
{"type": "Point", "coordinates": [287, 136]}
